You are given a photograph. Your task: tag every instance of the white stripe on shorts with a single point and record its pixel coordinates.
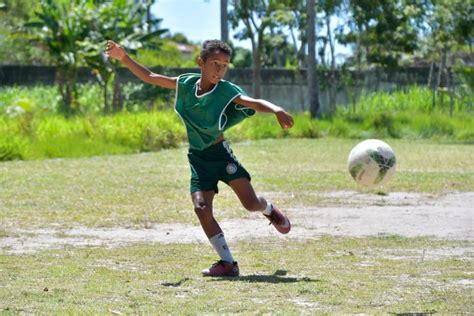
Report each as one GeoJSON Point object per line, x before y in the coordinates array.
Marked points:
{"type": "Point", "coordinates": [229, 151]}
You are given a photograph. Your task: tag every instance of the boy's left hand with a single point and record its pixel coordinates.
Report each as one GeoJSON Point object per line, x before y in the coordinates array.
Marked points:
{"type": "Point", "coordinates": [285, 119]}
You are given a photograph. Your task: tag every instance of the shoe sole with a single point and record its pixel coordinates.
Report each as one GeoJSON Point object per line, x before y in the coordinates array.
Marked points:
{"type": "Point", "coordinates": [284, 229]}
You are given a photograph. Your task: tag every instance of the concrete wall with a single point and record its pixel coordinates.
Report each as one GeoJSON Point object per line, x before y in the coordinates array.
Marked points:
{"type": "Point", "coordinates": [283, 87]}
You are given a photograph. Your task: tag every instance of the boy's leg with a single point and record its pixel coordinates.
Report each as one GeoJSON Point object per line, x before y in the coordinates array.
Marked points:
{"type": "Point", "coordinates": [202, 201]}
{"type": "Point", "coordinates": [246, 194]}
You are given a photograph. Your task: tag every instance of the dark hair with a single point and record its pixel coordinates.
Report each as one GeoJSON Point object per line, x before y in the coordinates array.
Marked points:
{"type": "Point", "coordinates": [210, 46]}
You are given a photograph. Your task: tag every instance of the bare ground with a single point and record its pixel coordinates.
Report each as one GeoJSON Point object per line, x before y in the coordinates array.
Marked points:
{"type": "Point", "coordinates": [447, 216]}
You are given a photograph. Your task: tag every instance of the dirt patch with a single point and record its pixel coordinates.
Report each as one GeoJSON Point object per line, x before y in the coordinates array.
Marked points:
{"type": "Point", "coordinates": [449, 216]}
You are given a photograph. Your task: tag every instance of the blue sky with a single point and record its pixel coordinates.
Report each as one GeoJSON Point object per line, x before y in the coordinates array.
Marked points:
{"type": "Point", "coordinates": [199, 20]}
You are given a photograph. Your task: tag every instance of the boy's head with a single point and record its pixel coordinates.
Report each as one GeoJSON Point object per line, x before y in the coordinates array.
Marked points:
{"type": "Point", "coordinates": [212, 46]}
{"type": "Point", "coordinates": [214, 60]}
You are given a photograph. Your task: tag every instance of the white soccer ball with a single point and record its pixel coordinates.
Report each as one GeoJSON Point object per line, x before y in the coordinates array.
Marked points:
{"type": "Point", "coordinates": [372, 162]}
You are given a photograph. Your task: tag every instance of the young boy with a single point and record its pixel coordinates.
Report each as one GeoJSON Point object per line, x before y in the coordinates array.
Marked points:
{"type": "Point", "coordinates": [208, 105]}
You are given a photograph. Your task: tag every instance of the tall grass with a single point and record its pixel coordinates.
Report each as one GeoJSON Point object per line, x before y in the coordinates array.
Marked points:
{"type": "Point", "coordinates": [30, 127]}
{"type": "Point", "coordinates": [39, 137]}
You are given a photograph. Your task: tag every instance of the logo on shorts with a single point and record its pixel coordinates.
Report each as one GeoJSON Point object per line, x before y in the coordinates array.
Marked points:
{"type": "Point", "coordinates": [231, 168]}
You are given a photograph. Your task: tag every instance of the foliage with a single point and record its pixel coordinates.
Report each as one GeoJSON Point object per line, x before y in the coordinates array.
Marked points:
{"type": "Point", "coordinates": [13, 36]}
{"type": "Point", "coordinates": [29, 129]}
{"type": "Point", "coordinates": [60, 26]}
{"type": "Point", "coordinates": [74, 33]}
{"type": "Point", "coordinates": [38, 137]}
{"type": "Point", "coordinates": [41, 100]}
{"type": "Point", "coordinates": [121, 21]}
{"type": "Point", "coordinates": [241, 58]}
{"type": "Point", "coordinates": [168, 56]}
{"type": "Point", "coordinates": [383, 30]}
{"type": "Point", "coordinates": [257, 17]}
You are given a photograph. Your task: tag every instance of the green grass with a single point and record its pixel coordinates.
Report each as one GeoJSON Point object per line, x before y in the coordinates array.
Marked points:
{"type": "Point", "coordinates": [32, 137]}
{"type": "Point", "coordinates": [279, 276]}
{"type": "Point", "coordinates": [37, 131]}
{"type": "Point", "coordinates": [327, 275]}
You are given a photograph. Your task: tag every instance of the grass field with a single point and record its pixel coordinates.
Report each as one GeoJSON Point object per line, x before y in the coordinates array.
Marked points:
{"type": "Point", "coordinates": [326, 274]}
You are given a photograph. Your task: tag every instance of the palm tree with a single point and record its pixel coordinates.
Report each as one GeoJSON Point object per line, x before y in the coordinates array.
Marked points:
{"type": "Point", "coordinates": [60, 27]}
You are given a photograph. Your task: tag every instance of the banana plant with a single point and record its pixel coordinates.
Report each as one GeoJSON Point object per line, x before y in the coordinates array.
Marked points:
{"type": "Point", "coordinates": [60, 27]}
{"type": "Point", "coordinates": [75, 32]}
{"type": "Point", "coordinates": [125, 22]}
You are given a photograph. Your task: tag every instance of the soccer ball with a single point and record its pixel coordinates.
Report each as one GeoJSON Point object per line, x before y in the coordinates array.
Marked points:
{"type": "Point", "coordinates": [371, 162]}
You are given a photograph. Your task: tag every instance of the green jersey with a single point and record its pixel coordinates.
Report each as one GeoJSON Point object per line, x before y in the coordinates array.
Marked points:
{"type": "Point", "coordinates": [206, 116]}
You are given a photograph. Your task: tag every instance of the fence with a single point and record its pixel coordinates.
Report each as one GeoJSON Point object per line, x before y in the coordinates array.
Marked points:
{"type": "Point", "coordinates": [284, 87]}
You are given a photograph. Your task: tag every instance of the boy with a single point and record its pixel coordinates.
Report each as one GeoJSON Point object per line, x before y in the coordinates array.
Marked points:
{"type": "Point", "coordinates": [208, 105]}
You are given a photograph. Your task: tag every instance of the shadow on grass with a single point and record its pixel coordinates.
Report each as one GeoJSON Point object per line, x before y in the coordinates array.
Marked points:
{"type": "Point", "coordinates": [277, 277]}
{"type": "Point", "coordinates": [175, 284]}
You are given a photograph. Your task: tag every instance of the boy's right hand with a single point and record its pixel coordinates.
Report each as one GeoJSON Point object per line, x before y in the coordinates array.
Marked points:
{"type": "Point", "coordinates": [115, 51]}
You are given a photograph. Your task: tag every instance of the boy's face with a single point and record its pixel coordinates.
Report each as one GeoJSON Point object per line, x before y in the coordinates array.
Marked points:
{"type": "Point", "coordinates": [214, 67]}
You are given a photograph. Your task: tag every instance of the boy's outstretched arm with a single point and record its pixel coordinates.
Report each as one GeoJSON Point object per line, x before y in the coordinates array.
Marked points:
{"type": "Point", "coordinates": [116, 51]}
{"type": "Point", "coordinates": [283, 117]}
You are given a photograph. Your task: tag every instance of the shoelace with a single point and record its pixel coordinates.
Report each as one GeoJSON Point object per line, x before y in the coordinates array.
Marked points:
{"type": "Point", "coordinates": [218, 263]}
{"type": "Point", "coordinates": [274, 218]}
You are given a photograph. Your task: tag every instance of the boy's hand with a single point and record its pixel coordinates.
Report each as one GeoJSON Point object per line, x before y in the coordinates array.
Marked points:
{"type": "Point", "coordinates": [284, 118]}
{"type": "Point", "coordinates": [115, 51]}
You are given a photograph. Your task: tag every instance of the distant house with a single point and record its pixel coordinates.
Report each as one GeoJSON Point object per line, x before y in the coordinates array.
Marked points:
{"type": "Point", "coordinates": [186, 50]}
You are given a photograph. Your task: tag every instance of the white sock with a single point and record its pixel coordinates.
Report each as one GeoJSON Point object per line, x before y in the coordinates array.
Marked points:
{"type": "Point", "coordinates": [219, 243]}
{"type": "Point", "coordinates": [268, 209]}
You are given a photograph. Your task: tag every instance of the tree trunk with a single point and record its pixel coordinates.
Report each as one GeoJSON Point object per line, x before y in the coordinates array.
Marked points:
{"type": "Point", "coordinates": [256, 51]}
{"type": "Point", "coordinates": [431, 85]}
{"type": "Point", "coordinates": [148, 16]}
{"type": "Point", "coordinates": [441, 70]}
{"type": "Point", "coordinates": [332, 77]}
{"type": "Point", "coordinates": [276, 51]}
{"type": "Point", "coordinates": [313, 84]}
{"type": "Point", "coordinates": [106, 99]}
{"type": "Point", "coordinates": [257, 73]}
{"type": "Point", "coordinates": [224, 22]}
{"type": "Point", "coordinates": [66, 79]}
{"type": "Point", "coordinates": [299, 77]}
{"type": "Point", "coordinates": [450, 85]}
{"type": "Point", "coordinates": [117, 101]}
{"type": "Point", "coordinates": [430, 73]}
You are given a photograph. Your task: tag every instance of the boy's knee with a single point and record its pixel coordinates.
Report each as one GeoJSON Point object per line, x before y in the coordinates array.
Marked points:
{"type": "Point", "coordinates": [201, 208]}
{"type": "Point", "coordinates": [200, 211]}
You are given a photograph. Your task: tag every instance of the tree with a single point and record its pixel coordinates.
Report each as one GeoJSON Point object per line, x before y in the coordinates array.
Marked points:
{"type": "Point", "coordinates": [127, 22]}
{"type": "Point", "coordinates": [256, 16]}
{"type": "Point", "coordinates": [330, 8]}
{"type": "Point", "coordinates": [313, 84]}
{"type": "Point", "coordinates": [75, 32]}
{"type": "Point", "coordinates": [61, 27]}
{"type": "Point", "coordinates": [13, 36]}
{"type": "Point", "coordinates": [448, 27]}
{"type": "Point", "coordinates": [383, 30]}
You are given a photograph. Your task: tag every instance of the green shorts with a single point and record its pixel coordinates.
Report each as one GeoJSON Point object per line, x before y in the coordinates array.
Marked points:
{"type": "Point", "coordinates": [213, 164]}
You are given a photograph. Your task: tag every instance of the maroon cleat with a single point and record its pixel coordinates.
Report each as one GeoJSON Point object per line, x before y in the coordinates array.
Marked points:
{"type": "Point", "coordinates": [280, 221]}
{"type": "Point", "coordinates": [221, 269]}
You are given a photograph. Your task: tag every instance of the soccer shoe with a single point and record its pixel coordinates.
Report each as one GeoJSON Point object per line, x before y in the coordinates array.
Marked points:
{"type": "Point", "coordinates": [280, 221]}
{"type": "Point", "coordinates": [222, 268]}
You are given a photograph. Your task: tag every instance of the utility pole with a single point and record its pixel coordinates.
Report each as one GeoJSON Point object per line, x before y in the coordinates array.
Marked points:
{"type": "Point", "coordinates": [224, 22]}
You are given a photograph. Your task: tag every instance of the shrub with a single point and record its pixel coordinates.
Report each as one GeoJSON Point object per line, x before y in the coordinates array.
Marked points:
{"type": "Point", "coordinates": [11, 148]}
{"type": "Point", "coordinates": [33, 131]}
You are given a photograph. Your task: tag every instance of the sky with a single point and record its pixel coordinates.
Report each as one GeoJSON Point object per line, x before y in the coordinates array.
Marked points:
{"type": "Point", "coordinates": [198, 20]}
